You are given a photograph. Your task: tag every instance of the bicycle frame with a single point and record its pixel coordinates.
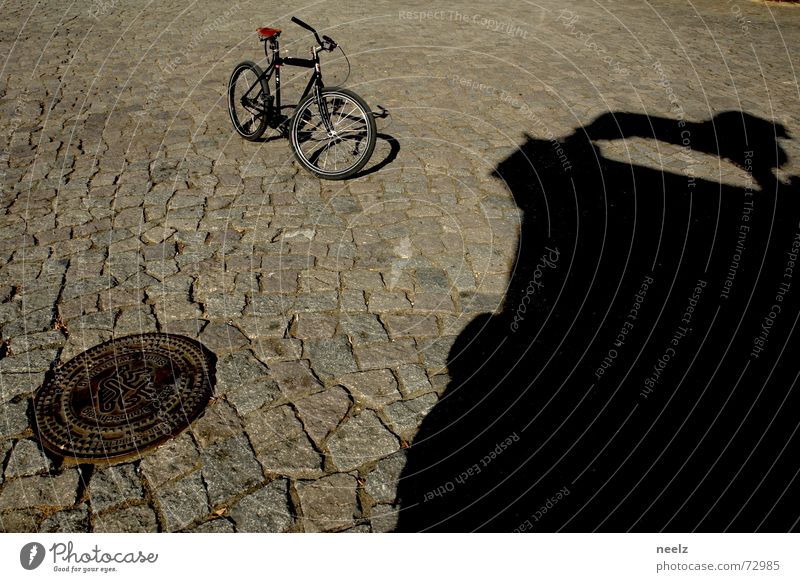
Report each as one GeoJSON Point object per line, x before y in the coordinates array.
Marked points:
{"type": "Point", "coordinates": [315, 82]}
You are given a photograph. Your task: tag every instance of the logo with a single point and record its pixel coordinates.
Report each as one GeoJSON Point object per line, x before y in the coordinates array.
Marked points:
{"type": "Point", "coordinates": [31, 555]}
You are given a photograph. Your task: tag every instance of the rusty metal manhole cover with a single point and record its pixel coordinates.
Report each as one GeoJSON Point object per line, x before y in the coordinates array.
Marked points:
{"type": "Point", "coordinates": [124, 396]}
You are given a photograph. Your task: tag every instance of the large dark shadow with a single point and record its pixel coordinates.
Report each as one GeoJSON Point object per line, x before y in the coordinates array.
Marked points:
{"type": "Point", "coordinates": [641, 375]}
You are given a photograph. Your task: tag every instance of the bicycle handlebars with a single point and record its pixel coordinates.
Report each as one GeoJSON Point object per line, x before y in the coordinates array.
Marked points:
{"type": "Point", "coordinates": [326, 42]}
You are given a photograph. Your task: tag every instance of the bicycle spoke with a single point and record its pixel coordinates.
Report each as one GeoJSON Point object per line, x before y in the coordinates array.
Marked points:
{"type": "Point", "coordinates": [345, 147]}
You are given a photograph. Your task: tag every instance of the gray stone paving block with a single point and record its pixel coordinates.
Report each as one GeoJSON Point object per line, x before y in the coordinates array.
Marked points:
{"type": "Point", "coordinates": [314, 325]}
{"type": "Point", "coordinates": [22, 521]}
{"type": "Point", "coordinates": [219, 525]}
{"type": "Point", "coordinates": [59, 491]}
{"type": "Point", "coordinates": [373, 389]}
{"type": "Point", "coordinates": [328, 504]}
{"type": "Point", "coordinates": [384, 518]}
{"type": "Point", "coordinates": [68, 521]}
{"type": "Point", "coordinates": [480, 303]}
{"type": "Point", "coordinates": [382, 301]}
{"type": "Point", "coordinates": [111, 486]}
{"type": "Point", "coordinates": [363, 328]}
{"type": "Point", "coordinates": [183, 502]}
{"type": "Point", "coordinates": [26, 459]}
{"type": "Point", "coordinates": [358, 529]}
{"type": "Point", "coordinates": [136, 519]}
{"type": "Point", "coordinates": [315, 302]}
{"type": "Point", "coordinates": [132, 320]}
{"type": "Point", "coordinates": [386, 354]}
{"type": "Point", "coordinates": [413, 380]}
{"type": "Point", "coordinates": [35, 361]}
{"type": "Point", "coordinates": [265, 511]}
{"type": "Point", "coordinates": [276, 349]}
{"type": "Point", "coordinates": [219, 422]}
{"type": "Point", "coordinates": [295, 379]}
{"type": "Point", "coordinates": [12, 385]}
{"type": "Point", "coordinates": [361, 439]}
{"type": "Point", "coordinates": [435, 353]}
{"type": "Point", "coordinates": [222, 338]}
{"type": "Point", "coordinates": [235, 369]}
{"type": "Point", "coordinates": [411, 325]}
{"type": "Point", "coordinates": [171, 460]}
{"type": "Point", "coordinates": [229, 467]}
{"type": "Point", "coordinates": [330, 357]}
{"type": "Point", "coordinates": [405, 417]}
{"type": "Point", "coordinates": [255, 327]}
{"type": "Point", "coordinates": [381, 483]}
{"type": "Point", "coordinates": [13, 418]}
{"type": "Point", "coordinates": [363, 280]}
{"type": "Point", "coordinates": [280, 443]}
{"type": "Point", "coordinates": [352, 301]}
{"type": "Point", "coordinates": [37, 341]}
{"type": "Point", "coordinates": [321, 413]}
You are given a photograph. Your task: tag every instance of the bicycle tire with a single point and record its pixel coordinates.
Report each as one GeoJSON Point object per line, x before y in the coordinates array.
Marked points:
{"type": "Point", "coordinates": [358, 132]}
{"type": "Point", "coordinates": [253, 127]}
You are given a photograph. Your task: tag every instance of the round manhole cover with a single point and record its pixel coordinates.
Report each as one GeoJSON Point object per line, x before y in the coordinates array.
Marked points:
{"type": "Point", "coordinates": [124, 396]}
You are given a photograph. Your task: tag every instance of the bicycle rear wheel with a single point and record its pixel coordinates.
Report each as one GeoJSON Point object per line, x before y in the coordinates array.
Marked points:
{"type": "Point", "coordinates": [341, 152]}
{"type": "Point", "coordinates": [248, 110]}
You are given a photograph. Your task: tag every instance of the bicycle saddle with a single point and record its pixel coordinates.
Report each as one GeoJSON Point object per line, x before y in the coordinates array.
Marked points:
{"type": "Point", "coordinates": [266, 33]}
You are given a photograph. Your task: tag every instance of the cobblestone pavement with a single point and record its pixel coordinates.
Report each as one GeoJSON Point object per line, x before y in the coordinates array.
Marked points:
{"type": "Point", "coordinates": [129, 205]}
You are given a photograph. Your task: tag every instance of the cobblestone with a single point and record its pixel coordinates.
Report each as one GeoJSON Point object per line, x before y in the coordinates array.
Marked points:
{"type": "Point", "coordinates": [360, 439]}
{"type": "Point", "coordinates": [68, 521]}
{"type": "Point", "coordinates": [373, 389]}
{"type": "Point", "coordinates": [329, 503]}
{"type": "Point", "coordinates": [26, 460]}
{"type": "Point", "coordinates": [229, 467]}
{"type": "Point", "coordinates": [170, 461]}
{"type": "Point", "coordinates": [322, 412]}
{"type": "Point", "coordinates": [381, 482]}
{"type": "Point", "coordinates": [135, 519]}
{"type": "Point", "coordinates": [281, 444]}
{"type": "Point", "coordinates": [265, 511]}
{"type": "Point", "coordinates": [183, 502]}
{"type": "Point", "coordinates": [40, 491]}
{"type": "Point", "coordinates": [114, 485]}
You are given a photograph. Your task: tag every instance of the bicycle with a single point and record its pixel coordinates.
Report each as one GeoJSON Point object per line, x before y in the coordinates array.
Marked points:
{"type": "Point", "coordinates": [332, 131]}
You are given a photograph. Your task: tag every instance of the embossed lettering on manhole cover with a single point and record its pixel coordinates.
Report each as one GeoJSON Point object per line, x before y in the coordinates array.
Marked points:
{"type": "Point", "coordinates": [124, 396]}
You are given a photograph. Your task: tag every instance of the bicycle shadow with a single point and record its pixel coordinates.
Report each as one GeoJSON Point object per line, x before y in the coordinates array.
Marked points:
{"type": "Point", "coordinates": [391, 155]}
{"type": "Point", "coordinates": [621, 388]}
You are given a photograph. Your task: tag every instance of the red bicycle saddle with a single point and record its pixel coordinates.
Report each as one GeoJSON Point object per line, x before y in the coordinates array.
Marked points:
{"type": "Point", "coordinates": [268, 32]}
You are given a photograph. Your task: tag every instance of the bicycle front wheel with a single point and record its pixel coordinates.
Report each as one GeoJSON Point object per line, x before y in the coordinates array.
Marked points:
{"type": "Point", "coordinates": [337, 150]}
{"type": "Point", "coordinates": [247, 100]}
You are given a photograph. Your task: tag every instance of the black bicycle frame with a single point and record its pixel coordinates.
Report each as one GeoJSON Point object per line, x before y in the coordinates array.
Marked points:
{"type": "Point", "coordinates": [278, 61]}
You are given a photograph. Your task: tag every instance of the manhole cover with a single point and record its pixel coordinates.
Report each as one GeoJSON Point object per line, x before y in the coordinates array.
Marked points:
{"type": "Point", "coordinates": [124, 396]}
